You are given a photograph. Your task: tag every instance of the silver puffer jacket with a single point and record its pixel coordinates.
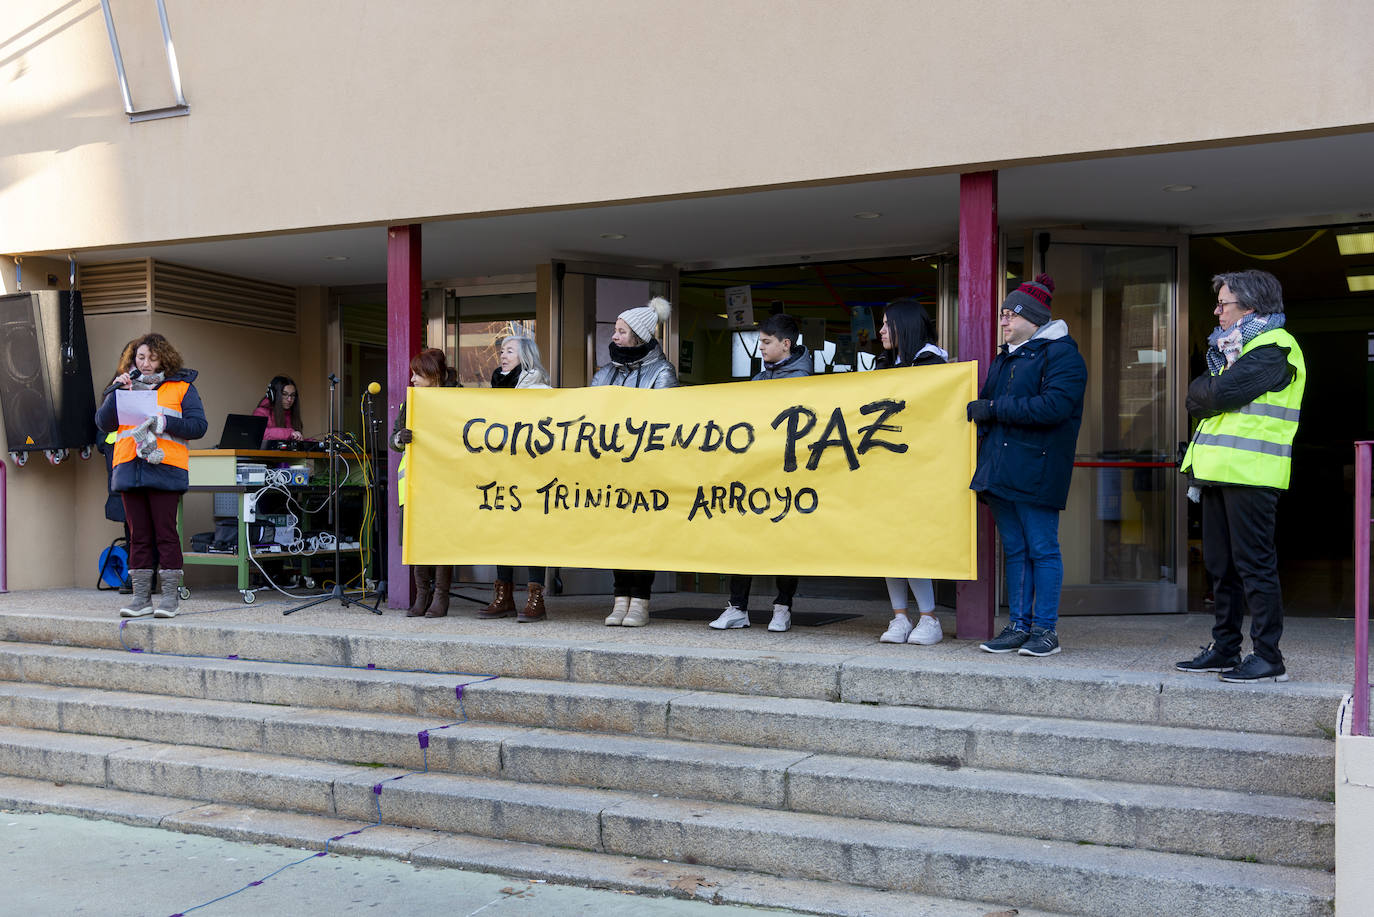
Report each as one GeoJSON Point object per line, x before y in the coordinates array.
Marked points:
{"type": "Point", "coordinates": [654, 371]}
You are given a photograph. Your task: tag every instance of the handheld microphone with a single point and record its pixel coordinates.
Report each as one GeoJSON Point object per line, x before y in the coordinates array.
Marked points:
{"type": "Point", "coordinates": [134, 374]}
{"type": "Point", "coordinates": [374, 388]}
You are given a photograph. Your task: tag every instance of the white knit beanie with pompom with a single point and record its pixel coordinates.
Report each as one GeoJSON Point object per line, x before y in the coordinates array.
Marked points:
{"type": "Point", "coordinates": [644, 320]}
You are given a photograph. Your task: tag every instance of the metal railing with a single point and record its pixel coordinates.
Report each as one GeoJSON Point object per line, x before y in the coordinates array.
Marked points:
{"type": "Point", "coordinates": [1359, 711]}
{"type": "Point", "coordinates": [147, 114]}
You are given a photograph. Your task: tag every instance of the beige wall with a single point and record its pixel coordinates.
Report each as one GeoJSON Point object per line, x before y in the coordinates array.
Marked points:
{"type": "Point", "coordinates": [1354, 815]}
{"type": "Point", "coordinates": [308, 114]}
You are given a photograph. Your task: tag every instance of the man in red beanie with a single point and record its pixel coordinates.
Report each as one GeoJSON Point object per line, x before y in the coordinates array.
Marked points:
{"type": "Point", "coordinates": [1028, 414]}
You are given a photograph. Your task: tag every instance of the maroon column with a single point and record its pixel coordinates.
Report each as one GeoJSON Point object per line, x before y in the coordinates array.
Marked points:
{"type": "Point", "coordinates": [976, 601]}
{"type": "Point", "coordinates": [405, 334]}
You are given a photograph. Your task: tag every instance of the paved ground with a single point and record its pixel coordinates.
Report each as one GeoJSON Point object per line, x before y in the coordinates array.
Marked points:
{"type": "Point", "coordinates": [1316, 649]}
{"type": "Point", "coordinates": [60, 864]}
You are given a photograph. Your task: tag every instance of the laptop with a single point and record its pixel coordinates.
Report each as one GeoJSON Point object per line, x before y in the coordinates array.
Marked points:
{"type": "Point", "coordinates": [242, 431]}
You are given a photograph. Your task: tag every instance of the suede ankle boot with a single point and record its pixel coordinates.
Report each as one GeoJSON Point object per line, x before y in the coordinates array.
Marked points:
{"type": "Point", "coordinates": [443, 579]}
{"type": "Point", "coordinates": [501, 604]}
{"type": "Point", "coordinates": [424, 590]}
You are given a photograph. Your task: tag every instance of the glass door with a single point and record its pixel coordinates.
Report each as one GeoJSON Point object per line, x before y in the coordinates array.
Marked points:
{"type": "Point", "coordinates": [588, 298]}
{"type": "Point", "coordinates": [1122, 532]}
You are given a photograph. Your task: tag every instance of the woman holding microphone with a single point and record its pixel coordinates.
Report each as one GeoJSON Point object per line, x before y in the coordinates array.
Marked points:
{"type": "Point", "coordinates": [151, 466]}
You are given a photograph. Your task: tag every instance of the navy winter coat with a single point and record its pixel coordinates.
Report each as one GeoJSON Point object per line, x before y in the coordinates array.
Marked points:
{"type": "Point", "coordinates": [1026, 454]}
{"type": "Point", "coordinates": [190, 425]}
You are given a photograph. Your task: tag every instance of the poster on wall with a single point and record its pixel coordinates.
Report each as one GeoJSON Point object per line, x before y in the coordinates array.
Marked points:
{"type": "Point", "coordinates": [739, 307]}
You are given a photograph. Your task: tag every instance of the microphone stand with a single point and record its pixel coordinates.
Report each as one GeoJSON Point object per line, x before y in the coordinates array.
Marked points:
{"type": "Point", "coordinates": [335, 487]}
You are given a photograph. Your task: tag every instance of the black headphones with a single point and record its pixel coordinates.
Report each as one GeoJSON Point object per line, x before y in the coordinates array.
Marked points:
{"type": "Point", "coordinates": [276, 385]}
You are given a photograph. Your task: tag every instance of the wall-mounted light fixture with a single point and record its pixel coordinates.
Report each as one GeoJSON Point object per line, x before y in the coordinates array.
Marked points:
{"type": "Point", "coordinates": [1355, 243]}
{"type": "Point", "coordinates": [1360, 279]}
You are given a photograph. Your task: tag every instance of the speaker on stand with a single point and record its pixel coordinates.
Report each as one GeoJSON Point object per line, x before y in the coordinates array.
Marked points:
{"type": "Point", "coordinates": [46, 395]}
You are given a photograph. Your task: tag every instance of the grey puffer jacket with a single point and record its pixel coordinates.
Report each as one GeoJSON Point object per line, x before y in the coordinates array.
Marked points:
{"type": "Point", "coordinates": [799, 363]}
{"type": "Point", "coordinates": [653, 371]}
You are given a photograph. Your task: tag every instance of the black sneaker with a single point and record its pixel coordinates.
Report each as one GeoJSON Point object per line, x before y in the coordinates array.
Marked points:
{"type": "Point", "coordinates": [1210, 659]}
{"type": "Point", "coordinates": [1254, 669]}
{"type": "Point", "coordinates": [1042, 642]}
{"type": "Point", "coordinates": [1008, 641]}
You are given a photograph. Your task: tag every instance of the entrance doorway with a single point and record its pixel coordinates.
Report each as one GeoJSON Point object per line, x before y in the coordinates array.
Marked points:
{"type": "Point", "coordinates": [1326, 273]}
{"type": "Point", "coordinates": [1122, 531]}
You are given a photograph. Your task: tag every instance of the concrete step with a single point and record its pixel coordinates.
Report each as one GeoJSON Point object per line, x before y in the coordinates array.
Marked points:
{"type": "Point", "coordinates": [467, 851]}
{"type": "Point", "coordinates": [1257, 763]}
{"type": "Point", "coordinates": [963, 865]}
{"type": "Point", "coordinates": [970, 680]}
{"type": "Point", "coordinates": [1266, 828]}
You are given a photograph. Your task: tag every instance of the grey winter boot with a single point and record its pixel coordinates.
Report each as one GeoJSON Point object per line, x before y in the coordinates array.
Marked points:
{"type": "Point", "coordinates": [141, 601]}
{"type": "Point", "coordinates": [171, 592]}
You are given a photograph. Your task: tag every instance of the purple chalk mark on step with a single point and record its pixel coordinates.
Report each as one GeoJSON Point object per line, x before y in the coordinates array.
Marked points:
{"type": "Point", "coordinates": [423, 736]}
{"type": "Point", "coordinates": [322, 853]}
{"type": "Point", "coordinates": [232, 656]}
{"type": "Point", "coordinates": [251, 884]}
{"type": "Point", "coordinates": [376, 789]}
{"type": "Point", "coordinates": [459, 692]}
{"type": "Point", "coordinates": [135, 649]}
{"type": "Point", "coordinates": [372, 665]}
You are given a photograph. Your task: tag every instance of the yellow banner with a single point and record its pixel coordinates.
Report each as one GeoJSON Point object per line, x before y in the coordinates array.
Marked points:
{"type": "Point", "coordinates": [857, 474]}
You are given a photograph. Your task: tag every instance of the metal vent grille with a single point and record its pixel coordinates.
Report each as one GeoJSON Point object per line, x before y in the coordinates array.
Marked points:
{"type": "Point", "coordinates": [196, 293]}
{"type": "Point", "coordinates": [120, 286]}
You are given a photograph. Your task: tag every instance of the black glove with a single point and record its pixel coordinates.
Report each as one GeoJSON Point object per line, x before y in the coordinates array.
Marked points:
{"type": "Point", "coordinates": [403, 436]}
{"type": "Point", "coordinates": [981, 411]}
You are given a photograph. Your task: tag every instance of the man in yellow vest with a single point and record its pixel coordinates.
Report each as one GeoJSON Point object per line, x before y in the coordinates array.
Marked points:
{"type": "Point", "coordinates": [1247, 406]}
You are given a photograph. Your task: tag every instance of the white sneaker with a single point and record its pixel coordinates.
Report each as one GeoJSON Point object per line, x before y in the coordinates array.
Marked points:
{"type": "Point", "coordinates": [782, 619]}
{"type": "Point", "coordinates": [730, 617]}
{"type": "Point", "coordinates": [927, 631]}
{"type": "Point", "coordinates": [897, 631]}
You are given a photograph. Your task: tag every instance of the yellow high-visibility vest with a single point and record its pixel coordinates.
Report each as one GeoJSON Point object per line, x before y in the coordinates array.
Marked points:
{"type": "Point", "coordinates": [401, 477]}
{"type": "Point", "coordinates": [1252, 445]}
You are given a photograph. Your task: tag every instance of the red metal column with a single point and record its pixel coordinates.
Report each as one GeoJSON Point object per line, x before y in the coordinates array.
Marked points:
{"type": "Point", "coordinates": [405, 334]}
{"type": "Point", "coordinates": [976, 601]}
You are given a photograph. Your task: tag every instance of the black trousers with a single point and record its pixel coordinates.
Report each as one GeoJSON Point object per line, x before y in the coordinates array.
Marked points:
{"type": "Point", "coordinates": [507, 575]}
{"type": "Point", "coordinates": [634, 583]}
{"type": "Point", "coordinates": [1238, 551]}
{"type": "Point", "coordinates": [739, 590]}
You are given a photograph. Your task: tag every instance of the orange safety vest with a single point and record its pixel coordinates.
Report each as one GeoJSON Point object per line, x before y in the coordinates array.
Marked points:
{"type": "Point", "coordinates": [174, 450]}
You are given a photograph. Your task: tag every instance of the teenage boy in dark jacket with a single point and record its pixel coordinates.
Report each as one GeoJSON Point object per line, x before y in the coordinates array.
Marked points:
{"type": "Point", "coordinates": [783, 358]}
{"type": "Point", "coordinates": [1028, 414]}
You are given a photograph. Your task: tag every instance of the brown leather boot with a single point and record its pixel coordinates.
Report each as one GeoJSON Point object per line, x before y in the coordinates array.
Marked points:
{"type": "Point", "coordinates": [424, 590]}
{"type": "Point", "coordinates": [502, 604]}
{"type": "Point", "coordinates": [534, 605]}
{"type": "Point", "coordinates": [443, 579]}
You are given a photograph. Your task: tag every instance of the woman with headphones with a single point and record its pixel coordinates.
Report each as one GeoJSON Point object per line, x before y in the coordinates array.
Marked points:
{"type": "Point", "coordinates": [282, 408]}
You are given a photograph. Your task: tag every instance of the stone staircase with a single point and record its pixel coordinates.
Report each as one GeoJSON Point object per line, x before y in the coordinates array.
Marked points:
{"type": "Point", "coordinates": [878, 783]}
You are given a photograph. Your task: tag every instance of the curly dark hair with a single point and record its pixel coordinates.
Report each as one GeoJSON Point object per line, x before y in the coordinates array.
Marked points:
{"type": "Point", "coordinates": [169, 361]}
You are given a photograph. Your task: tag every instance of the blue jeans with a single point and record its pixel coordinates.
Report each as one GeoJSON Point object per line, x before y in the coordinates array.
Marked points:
{"type": "Point", "coordinates": [1035, 568]}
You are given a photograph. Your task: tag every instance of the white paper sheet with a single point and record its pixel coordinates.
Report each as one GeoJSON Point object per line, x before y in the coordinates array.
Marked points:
{"type": "Point", "coordinates": [135, 407]}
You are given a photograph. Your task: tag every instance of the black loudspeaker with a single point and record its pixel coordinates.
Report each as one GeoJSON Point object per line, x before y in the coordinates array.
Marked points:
{"type": "Point", "coordinates": [46, 394]}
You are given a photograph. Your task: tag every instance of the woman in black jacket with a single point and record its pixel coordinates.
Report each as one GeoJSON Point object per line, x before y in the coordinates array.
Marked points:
{"type": "Point", "coordinates": [428, 369]}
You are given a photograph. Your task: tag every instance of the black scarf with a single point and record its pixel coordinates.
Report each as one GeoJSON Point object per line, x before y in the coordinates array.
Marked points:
{"type": "Point", "coordinates": [628, 356]}
{"type": "Point", "coordinates": [504, 380]}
